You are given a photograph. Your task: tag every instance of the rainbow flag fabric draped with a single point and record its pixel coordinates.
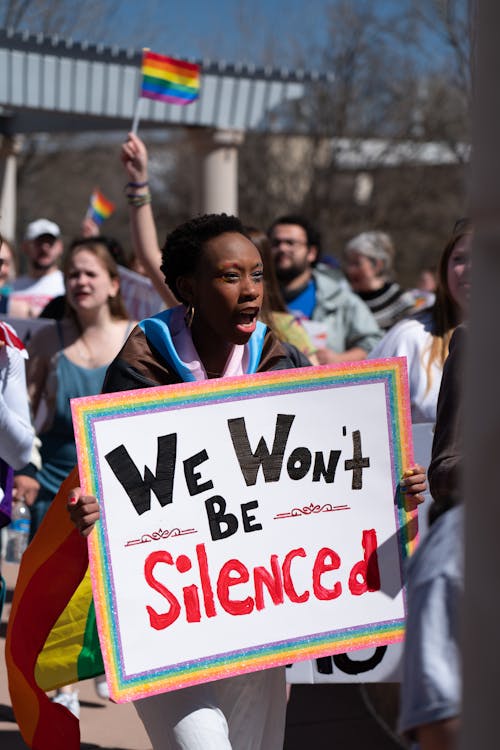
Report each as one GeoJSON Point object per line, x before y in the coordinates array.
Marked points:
{"type": "Point", "coordinates": [169, 80]}
{"type": "Point", "coordinates": [51, 635]}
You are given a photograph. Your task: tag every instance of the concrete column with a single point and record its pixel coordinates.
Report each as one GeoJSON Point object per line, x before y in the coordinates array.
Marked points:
{"type": "Point", "coordinates": [482, 435]}
{"type": "Point", "coordinates": [11, 146]}
{"type": "Point", "coordinates": [218, 170]}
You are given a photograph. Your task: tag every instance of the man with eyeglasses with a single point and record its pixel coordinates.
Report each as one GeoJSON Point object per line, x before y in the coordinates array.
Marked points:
{"type": "Point", "coordinates": [318, 292]}
{"type": "Point", "coordinates": [43, 281]}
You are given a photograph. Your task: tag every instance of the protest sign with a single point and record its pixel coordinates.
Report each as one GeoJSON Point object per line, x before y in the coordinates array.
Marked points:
{"type": "Point", "coordinates": [246, 522]}
{"type": "Point", "coordinates": [381, 663]}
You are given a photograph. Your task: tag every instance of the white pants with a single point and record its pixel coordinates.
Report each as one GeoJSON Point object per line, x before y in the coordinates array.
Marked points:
{"type": "Point", "coordinates": [240, 713]}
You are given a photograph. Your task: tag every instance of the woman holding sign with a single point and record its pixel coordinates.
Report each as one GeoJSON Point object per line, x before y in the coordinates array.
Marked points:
{"type": "Point", "coordinates": [217, 273]}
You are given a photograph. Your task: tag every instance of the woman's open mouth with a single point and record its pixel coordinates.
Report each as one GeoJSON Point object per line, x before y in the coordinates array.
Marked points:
{"type": "Point", "coordinates": [247, 321]}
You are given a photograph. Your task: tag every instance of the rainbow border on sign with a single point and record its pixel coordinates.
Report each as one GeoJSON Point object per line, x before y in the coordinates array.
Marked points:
{"type": "Point", "coordinates": [86, 411]}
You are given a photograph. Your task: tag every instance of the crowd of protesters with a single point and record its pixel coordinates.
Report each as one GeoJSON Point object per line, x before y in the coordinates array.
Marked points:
{"type": "Point", "coordinates": [314, 314]}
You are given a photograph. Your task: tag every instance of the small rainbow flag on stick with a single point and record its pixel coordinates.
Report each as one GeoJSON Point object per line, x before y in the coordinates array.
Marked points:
{"type": "Point", "coordinates": [167, 80]}
{"type": "Point", "coordinates": [100, 208]}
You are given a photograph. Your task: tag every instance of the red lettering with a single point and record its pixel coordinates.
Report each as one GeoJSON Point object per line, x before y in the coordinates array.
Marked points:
{"type": "Point", "coordinates": [206, 585]}
{"type": "Point", "coordinates": [287, 578]}
{"type": "Point", "coordinates": [160, 621]}
{"type": "Point", "coordinates": [326, 560]}
{"type": "Point", "coordinates": [191, 598]}
{"type": "Point", "coordinates": [271, 580]}
{"type": "Point", "coordinates": [365, 575]}
{"type": "Point", "coordinates": [192, 603]}
{"type": "Point", "coordinates": [226, 580]}
{"type": "Point", "coordinates": [183, 564]}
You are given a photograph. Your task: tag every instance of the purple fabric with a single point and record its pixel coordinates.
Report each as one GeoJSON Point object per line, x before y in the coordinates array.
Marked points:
{"type": "Point", "coordinates": [6, 482]}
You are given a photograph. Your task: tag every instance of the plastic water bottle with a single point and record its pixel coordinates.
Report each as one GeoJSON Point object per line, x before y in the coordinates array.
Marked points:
{"type": "Point", "coordinates": [18, 532]}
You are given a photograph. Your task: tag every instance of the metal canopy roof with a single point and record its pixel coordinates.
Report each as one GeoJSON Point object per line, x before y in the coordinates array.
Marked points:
{"type": "Point", "coordinates": [56, 84]}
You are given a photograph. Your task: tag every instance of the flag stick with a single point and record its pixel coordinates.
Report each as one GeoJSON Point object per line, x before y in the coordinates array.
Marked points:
{"type": "Point", "coordinates": [138, 106]}
{"type": "Point", "coordinates": [137, 115]}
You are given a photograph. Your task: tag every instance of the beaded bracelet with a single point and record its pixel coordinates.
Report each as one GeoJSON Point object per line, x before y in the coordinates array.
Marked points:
{"type": "Point", "coordinates": [138, 200]}
{"type": "Point", "coordinates": [136, 184]}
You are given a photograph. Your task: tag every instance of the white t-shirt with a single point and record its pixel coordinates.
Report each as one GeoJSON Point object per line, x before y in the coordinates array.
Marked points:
{"type": "Point", "coordinates": [412, 339]}
{"type": "Point", "coordinates": [38, 292]}
{"type": "Point", "coordinates": [15, 426]}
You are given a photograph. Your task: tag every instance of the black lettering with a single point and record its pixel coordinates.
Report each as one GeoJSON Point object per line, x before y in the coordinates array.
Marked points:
{"type": "Point", "coordinates": [354, 666]}
{"type": "Point", "coordinates": [139, 489]}
{"type": "Point", "coordinates": [324, 665]}
{"type": "Point", "coordinates": [250, 462]}
{"type": "Point", "coordinates": [217, 518]}
{"type": "Point", "coordinates": [192, 477]}
{"type": "Point", "coordinates": [347, 665]}
{"type": "Point", "coordinates": [247, 520]}
{"type": "Point", "coordinates": [358, 462]}
{"type": "Point", "coordinates": [299, 463]}
{"type": "Point", "coordinates": [327, 473]}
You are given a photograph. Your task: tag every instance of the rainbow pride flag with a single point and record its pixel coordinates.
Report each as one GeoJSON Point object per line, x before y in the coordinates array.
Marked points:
{"type": "Point", "coordinates": [169, 80]}
{"type": "Point", "coordinates": [100, 208]}
{"type": "Point", "coordinates": [63, 647]}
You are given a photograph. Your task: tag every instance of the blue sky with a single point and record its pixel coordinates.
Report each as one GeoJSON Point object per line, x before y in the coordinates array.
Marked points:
{"type": "Point", "coordinates": [281, 33]}
{"type": "Point", "coordinates": [276, 32]}
{"type": "Point", "coordinates": [260, 31]}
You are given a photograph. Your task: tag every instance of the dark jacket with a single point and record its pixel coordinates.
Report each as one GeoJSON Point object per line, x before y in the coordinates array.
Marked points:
{"type": "Point", "coordinates": [140, 365]}
{"type": "Point", "coordinates": [445, 470]}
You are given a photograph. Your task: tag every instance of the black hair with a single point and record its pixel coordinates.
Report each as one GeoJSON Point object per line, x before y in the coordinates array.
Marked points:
{"type": "Point", "coordinates": [312, 234]}
{"type": "Point", "coordinates": [183, 247]}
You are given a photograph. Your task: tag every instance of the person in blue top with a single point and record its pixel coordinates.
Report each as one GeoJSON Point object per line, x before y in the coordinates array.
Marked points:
{"type": "Point", "coordinates": [316, 291]}
{"type": "Point", "coordinates": [69, 359]}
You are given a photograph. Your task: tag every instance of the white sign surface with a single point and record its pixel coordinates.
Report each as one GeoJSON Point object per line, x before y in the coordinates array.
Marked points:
{"type": "Point", "coordinates": [247, 530]}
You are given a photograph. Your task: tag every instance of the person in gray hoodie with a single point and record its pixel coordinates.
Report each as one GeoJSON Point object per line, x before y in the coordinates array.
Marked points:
{"type": "Point", "coordinates": [318, 292]}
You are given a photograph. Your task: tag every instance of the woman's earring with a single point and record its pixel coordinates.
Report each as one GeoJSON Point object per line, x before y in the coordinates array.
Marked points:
{"type": "Point", "coordinates": [188, 317]}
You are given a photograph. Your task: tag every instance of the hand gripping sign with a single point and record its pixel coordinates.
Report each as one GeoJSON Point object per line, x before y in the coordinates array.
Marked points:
{"type": "Point", "coordinates": [246, 523]}
{"type": "Point", "coordinates": [382, 663]}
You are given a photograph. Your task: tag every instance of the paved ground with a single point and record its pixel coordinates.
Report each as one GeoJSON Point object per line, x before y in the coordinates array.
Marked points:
{"type": "Point", "coordinates": [319, 717]}
{"type": "Point", "coordinates": [103, 724]}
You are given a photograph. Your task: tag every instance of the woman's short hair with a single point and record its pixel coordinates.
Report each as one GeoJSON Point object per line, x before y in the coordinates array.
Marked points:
{"type": "Point", "coordinates": [313, 237]}
{"type": "Point", "coordinates": [375, 246]}
{"type": "Point", "coordinates": [183, 247]}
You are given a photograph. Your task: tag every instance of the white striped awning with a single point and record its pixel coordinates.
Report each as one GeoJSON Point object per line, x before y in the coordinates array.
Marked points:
{"type": "Point", "coordinates": [53, 83]}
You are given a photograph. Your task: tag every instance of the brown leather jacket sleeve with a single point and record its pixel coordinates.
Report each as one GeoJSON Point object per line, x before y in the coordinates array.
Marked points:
{"type": "Point", "coordinates": [139, 365]}
{"type": "Point", "coordinates": [445, 470]}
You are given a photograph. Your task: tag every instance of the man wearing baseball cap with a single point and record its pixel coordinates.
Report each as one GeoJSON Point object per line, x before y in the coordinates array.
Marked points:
{"type": "Point", "coordinates": [44, 280]}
